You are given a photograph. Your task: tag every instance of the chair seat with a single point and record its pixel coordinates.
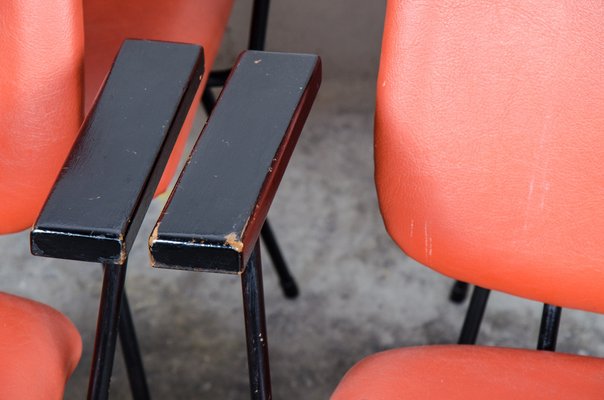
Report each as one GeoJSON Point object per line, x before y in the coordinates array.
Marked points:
{"type": "Point", "coordinates": [39, 350]}
{"type": "Point", "coordinates": [472, 372]}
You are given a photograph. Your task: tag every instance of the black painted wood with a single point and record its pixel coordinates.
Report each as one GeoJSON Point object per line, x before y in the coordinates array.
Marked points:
{"type": "Point", "coordinates": [214, 215]}
{"type": "Point", "coordinates": [97, 204]}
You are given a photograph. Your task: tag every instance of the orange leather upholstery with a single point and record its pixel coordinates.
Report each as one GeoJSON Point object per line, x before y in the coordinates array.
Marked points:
{"type": "Point", "coordinates": [41, 93]}
{"type": "Point", "coordinates": [41, 85]}
{"type": "Point", "coordinates": [489, 143]}
{"type": "Point", "coordinates": [472, 372]}
{"type": "Point", "coordinates": [40, 349]}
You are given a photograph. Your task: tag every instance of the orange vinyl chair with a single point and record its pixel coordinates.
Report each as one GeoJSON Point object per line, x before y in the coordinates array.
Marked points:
{"type": "Point", "coordinates": [55, 57]}
{"type": "Point", "coordinates": [488, 149]}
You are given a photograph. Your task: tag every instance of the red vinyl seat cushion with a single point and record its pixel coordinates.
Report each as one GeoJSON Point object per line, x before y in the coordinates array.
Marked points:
{"type": "Point", "coordinates": [39, 349]}
{"type": "Point", "coordinates": [472, 372]}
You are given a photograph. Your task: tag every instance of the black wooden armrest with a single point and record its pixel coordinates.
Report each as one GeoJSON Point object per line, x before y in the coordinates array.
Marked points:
{"type": "Point", "coordinates": [97, 204]}
{"type": "Point", "coordinates": [213, 217]}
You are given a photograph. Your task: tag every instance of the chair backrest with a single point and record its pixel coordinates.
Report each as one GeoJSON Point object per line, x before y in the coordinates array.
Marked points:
{"type": "Point", "coordinates": [46, 77]}
{"type": "Point", "coordinates": [41, 89]}
{"type": "Point", "coordinates": [489, 141]}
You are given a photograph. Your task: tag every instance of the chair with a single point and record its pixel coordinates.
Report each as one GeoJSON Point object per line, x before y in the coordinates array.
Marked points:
{"type": "Point", "coordinates": [50, 82]}
{"type": "Point", "coordinates": [42, 98]}
{"type": "Point", "coordinates": [488, 140]}
{"type": "Point", "coordinates": [93, 213]}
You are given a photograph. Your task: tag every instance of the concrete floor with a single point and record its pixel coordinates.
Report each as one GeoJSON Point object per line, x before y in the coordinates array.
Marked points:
{"type": "Point", "coordinates": [359, 293]}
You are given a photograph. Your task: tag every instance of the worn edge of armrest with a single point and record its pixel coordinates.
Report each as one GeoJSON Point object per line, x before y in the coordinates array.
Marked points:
{"type": "Point", "coordinates": [96, 207]}
{"type": "Point", "coordinates": [176, 243]}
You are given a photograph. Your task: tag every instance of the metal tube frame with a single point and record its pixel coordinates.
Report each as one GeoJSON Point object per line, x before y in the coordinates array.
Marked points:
{"type": "Point", "coordinates": [114, 276]}
{"type": "Point", "coordinates": [459, 292]}
{"type": "Point", "coordinates": [548, 331]}
{"type": "Point", "coordinates": [471, 324]}
{"type": "Point", "coordinates": [255, 328]}
{"type": "Point", "coordinates": [132, 354]}
{"type": "Point", "coordinates": [259, 25]}
{"type": "Point", "coordinates": [115, 317]}
{"type": "Point", "coordinates": [286, 280]}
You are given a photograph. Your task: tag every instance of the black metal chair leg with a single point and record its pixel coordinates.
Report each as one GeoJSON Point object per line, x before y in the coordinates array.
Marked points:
{"type": "Point", "coordinates": [471, 324]}
{"type": "Point", "coordinates": [459, 292]}
{"type": "Point", "coordinates": [255, 328]}
{"type": "Point", "coordinates": [260, 12]}
{"type": "Point", "coordinates": [548, 331]}
{"type": "Point", "coordinates": [287, 281]}
{"type": "Point", "coordinates": [107, 330]}
{"type": "Point", "coordinates": [208, 100]}
{"type": "Point", "coordinates": [131, 352]}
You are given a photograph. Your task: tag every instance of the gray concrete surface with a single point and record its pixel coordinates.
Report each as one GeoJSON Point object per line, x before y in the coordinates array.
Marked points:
{"type": "Point", "coordinates": [359, 293]}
